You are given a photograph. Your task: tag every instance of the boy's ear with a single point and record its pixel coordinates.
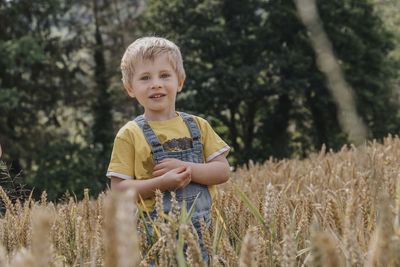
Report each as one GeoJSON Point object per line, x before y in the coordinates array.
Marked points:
{"type": "Point", "coordinates": [129, 90]}
{"type": "Point", "coordinates": [180, 85]}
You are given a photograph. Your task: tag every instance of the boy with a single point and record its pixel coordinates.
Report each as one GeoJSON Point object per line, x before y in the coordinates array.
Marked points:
{"type": "Point", "coordinates": [164, 149]}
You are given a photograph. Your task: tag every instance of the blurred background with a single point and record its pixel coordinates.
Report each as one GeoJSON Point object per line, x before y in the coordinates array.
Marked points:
{"type": "Point", "coordinates": [251, 72]}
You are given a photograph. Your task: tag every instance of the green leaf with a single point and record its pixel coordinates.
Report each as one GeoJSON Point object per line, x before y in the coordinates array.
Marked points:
{"type": "Point", "coordinates": [302, 251]}
{"type": "Point", "coordinates": [180, 257]}
{"type": "Point", "coordinates": [151, 239]}
{"type": "Point", "coordinates": [191, 211]}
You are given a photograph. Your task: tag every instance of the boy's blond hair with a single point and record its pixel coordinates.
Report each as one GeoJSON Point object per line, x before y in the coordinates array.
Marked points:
{"type": "Point", "coordinates": [148, 48]}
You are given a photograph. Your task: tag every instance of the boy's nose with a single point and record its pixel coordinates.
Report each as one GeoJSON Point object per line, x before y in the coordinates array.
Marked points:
{"type": "Point", "coordinates": [156, 84]}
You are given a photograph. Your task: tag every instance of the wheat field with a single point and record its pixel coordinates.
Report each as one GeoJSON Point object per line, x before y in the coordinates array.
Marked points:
{"type": "Point", "coordinates": [330, 209]}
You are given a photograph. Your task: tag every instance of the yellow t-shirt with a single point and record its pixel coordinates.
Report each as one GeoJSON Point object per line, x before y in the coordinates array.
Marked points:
{"type": "Point", "coordinates": [131, 157]}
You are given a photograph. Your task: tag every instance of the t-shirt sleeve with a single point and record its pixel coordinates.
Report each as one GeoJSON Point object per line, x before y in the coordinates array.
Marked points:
{"type": "Point", "coordinates": [213, 145]}
{"type": "Point", "coordinates": [122, 158]}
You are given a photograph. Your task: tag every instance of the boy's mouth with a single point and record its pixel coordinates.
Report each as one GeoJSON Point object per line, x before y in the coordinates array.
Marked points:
{"type": "Point", "coordinates": [157, 95]}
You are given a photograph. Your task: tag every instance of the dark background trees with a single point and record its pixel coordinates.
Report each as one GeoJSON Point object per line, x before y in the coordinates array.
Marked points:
{"type": "Point", "coordinates": [58, 69]}
{"type": "Point", "coordinates": [250, 67]}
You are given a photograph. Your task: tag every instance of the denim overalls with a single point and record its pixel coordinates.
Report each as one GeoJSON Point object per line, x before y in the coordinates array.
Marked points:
{"type": "Point", "coordinates": [190, 192]}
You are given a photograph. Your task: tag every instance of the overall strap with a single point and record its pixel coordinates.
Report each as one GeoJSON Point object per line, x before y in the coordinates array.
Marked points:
{"type": "Point", "coordinates": [149, 134]}
{"type": "Point", "coordinates": [193, 128]}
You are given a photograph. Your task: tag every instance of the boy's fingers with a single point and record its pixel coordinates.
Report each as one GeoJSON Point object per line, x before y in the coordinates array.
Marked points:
{"type": "Point", "coordinates": [186, 181]}
{"type": "Point", "coordinates": [158, 166]}
{"type": "Point", "coordinates": [177, 170]}
{"type": "Point", "coordinates": [180, 169]}
{"type": "Point", "coordinates": [184, 174]}
{"type": "Point", "coordinates": [158, 173]}
{"type": "Point", "coordinates": [188, 176]}
{"type": "Point", "coordinates": [163, 162]}
{"type": "Point", "coordinates": [189, 169]}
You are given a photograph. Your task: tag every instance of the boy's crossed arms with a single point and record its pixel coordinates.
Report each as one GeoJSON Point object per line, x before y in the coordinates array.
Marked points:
{"type": "Point", "coordinates": [171, 174]}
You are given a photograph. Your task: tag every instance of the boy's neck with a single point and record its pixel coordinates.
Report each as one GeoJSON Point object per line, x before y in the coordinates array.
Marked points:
{"type": "Point", "coordinates": [160, 117]}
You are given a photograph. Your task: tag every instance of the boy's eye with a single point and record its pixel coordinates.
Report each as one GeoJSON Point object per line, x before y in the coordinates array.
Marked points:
{"type": "Point", "coordinates": [145, 78]}
{"type": "Point", "coordinates": [164, 75]}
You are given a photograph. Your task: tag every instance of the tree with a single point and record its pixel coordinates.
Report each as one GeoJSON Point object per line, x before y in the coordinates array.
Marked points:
{"type": "Point", "coordinates": [388, 12]}
{"type": "Point", "coordinates": [226, 63]}
{"type": "Point", "coordinates": [58, 66]}
{"type": "Point", "coordinates": [251, 69]}
{"type": "Point", "coordinates": [102, 106]}
{"type": "Point", "coordinates": [35, 78]}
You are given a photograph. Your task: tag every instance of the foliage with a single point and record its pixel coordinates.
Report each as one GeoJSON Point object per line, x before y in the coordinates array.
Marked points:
{"type": "Point", "coordinates": [388, 11]}
{"type": "Point", "coordinates": [69, 167]}
{"type": "Point", "coordinates": [365, 62]}
{"type": "Point", "coordinates": [55, 87]}
{"type": "Point", "coordinates": [12, 186]}
{"type": "Point", "coordinates": [224, 45]}
{"type": "Point", "coordinates": [251, 69]}
{"type": "Point", "coordinates": [37, 78]}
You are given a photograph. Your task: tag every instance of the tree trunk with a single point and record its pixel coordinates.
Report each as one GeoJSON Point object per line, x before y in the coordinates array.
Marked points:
{"type": "Point", "coordinates": [102, 127]}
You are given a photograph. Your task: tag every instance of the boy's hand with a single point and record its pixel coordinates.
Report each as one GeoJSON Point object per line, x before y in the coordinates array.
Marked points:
{"type": "Point", "coordinates": [167, 165]}
{"type": "Point", "coordinates": [178, 178]}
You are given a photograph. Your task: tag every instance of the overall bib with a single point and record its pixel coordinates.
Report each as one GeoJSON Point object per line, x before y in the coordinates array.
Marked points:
{"type": "Point", "coordinates": [192, 190]}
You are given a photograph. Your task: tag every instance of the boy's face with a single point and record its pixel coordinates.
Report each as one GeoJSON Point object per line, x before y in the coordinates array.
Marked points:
{"type": "Point", "coordinates": [155, 85]}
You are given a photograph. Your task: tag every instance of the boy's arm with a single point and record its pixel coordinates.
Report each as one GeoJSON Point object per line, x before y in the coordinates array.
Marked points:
{"type": "Point", "coordinates": [173, 179]}
{"type": "Point", "coordinates": [216, 171]}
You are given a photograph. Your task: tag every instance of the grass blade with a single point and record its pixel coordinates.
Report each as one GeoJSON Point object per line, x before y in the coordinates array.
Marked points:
{"type": "Point", "coordinates": [191, 211]}
{"type": "Point", "coordinates": [250, 205]}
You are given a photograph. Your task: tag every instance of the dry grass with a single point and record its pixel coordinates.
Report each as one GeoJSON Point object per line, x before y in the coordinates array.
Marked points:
{"type": "Point", "coordinates": [331, 209]}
